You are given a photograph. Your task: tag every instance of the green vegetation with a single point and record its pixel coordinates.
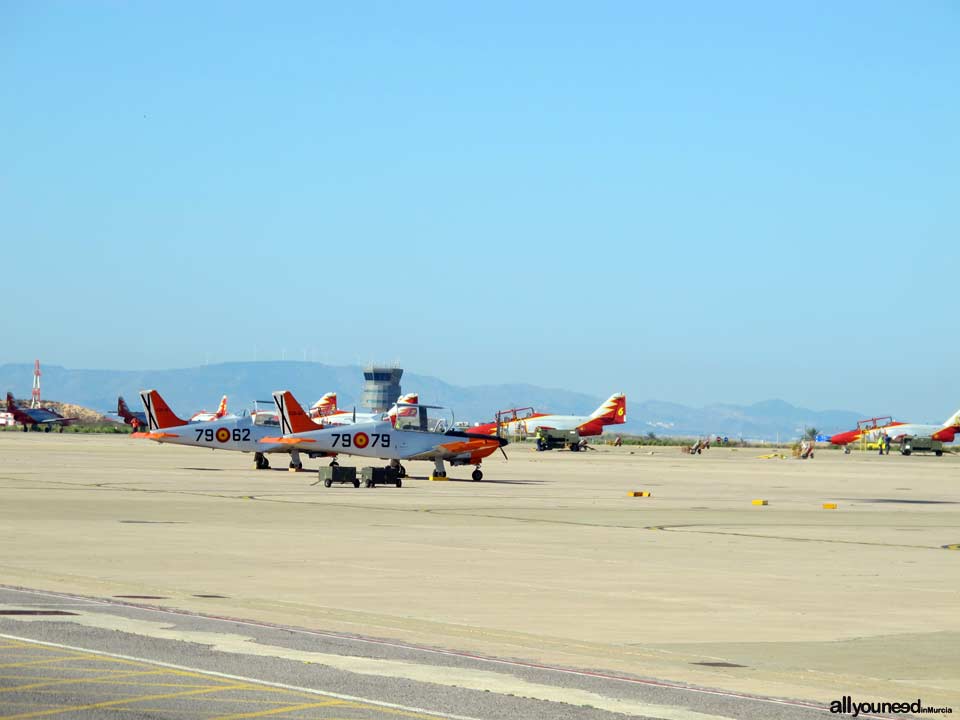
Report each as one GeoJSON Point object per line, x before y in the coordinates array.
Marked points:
{"type": "Point", "coordinates": [102, 428]}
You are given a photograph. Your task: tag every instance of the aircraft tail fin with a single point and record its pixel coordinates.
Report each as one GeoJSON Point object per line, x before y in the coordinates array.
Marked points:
{"type": "Point", "coordinates": [399, 411]}
{"type": "Point", "coordinates": [122, 409]}
{"type": "Point", "coordinates": [159, 415]}
{"type": "Point", "coordinates": [293, 419]}
{"type": "Point", "coordinates": [613, 411]}
{"type": "Point", "coordinates": [11, 403]}
{"type": "Point", "coordinates": [222, 408]}
{"type": "Point", "coordinates": [953, 420]}
{"type": "Point", "coordinates": [325, 405]}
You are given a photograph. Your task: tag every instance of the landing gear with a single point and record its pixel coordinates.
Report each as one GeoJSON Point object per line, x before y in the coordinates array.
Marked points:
{"type": "Point", "coordinates": [334, 463]}
{"type": "Point", "coordinates": [295, 464]}
{"type": "Point", "coordinates": [260, 462]}
{"type": "Point", "coordinates": [396, 468]}
{"type": "Point", "coordinates": [477, 475]}
{"type": "Point", "coordinates": [439, 472]}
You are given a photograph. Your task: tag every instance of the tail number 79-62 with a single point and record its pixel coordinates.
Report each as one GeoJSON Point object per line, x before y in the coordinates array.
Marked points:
{"type": "Point", "coordinates": [360, 440]}
{"type": "Point", "coordinates": [223, 434]}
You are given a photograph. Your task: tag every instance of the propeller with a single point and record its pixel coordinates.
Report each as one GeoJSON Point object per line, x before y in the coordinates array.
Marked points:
{"type": "Point", "coordinates": [500, 439]}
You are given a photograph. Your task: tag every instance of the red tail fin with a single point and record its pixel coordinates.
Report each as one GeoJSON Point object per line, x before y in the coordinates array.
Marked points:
{"type": "Point", "coordinates": [293, 419]}
{"type": "Point", "coordinates": [159, 414]}
{"type": "Point", "coordinates": [613, 411]}
{"type": "Point", "coordinates": [222, 409]}
{"type": "Point", "coordinates": [11, 403]}
{"type": "Point", "coordinates": [122, 409]}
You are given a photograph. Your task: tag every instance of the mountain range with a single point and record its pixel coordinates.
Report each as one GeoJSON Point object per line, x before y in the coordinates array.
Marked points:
{"type": "Point", "coordinates": [190, 389]}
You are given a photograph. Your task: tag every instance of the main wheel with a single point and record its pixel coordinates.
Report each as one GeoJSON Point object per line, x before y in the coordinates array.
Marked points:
{"type": "Point", "coordinates": [938, 453]}
{"type": "Point", "coordinates": [477, 475]}
{"type": "Point", "coordinates": [402, 471]}
{"type": "Point", "coordinates": [356, 483]}
{"type": "Point", "coordinates": [399, 482]}
{"type": "Point", "coordinates": [327, 482]}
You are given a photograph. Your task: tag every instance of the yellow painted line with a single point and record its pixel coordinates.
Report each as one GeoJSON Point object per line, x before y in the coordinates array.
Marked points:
{"type": "Point", "coordinates": [114, 703]}
{"type": "Point", "coordinates": [38, 662]}
{"type": "Point", "coordinates": [111, 682]}
{"type": "Point", "coordinates": [68, 681]}
{"type": "Point", "coordinates": [240, 683]}
{"type": "Point", "coordinates": [279, 711]}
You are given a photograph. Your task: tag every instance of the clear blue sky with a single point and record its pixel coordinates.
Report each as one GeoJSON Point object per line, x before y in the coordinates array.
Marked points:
{"type": "Point", "coordinates": [699, 202]}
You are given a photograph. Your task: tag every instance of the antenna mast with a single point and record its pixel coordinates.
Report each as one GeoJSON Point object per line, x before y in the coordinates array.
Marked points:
{"type": "Point", "coordinates": [35, 399]}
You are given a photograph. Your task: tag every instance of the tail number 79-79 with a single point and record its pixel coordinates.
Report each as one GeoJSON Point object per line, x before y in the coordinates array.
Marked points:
{"type": "Point", "coordinates": [360, 440]}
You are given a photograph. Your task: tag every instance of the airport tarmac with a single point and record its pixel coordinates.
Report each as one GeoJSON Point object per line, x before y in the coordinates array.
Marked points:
{"type": "Point", "coordinates": [627, 601]}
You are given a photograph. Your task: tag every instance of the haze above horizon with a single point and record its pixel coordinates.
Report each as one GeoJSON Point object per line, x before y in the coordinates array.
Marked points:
{"type": "Point", "coordinates": [700, 203]}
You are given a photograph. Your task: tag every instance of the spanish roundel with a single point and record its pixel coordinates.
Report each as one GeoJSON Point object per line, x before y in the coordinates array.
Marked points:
{"type": "Point", "coordinates": [361, 440]}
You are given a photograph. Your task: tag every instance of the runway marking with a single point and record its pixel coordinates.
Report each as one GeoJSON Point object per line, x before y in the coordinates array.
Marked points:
{"type": "Point", "coordinates": [49, 661]}
{"type": "Point", "coordinates": [426, 649]}
{"type": "Point", "coordinates": [125, 701]}
{"type": "Point", "coordinates": [69, 681]}
{"type": "Point", "coordinates": [246, 683]}
{"type": "Point", "coordinates": [278, 711]}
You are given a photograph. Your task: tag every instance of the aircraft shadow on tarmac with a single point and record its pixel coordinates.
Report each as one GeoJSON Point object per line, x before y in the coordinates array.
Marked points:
{"type": "Point", "coordinates": [484, 481]}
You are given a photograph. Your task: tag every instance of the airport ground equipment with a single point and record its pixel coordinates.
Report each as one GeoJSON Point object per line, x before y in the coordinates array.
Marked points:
{"type": "Point", "coordinates": [373, 476]}
{"type": "Point", "coordinates": [342, 475]}
{"type": "Point", "coordinates": [555, 439]}
{"type": "Point", "coordinates": [910, 445]}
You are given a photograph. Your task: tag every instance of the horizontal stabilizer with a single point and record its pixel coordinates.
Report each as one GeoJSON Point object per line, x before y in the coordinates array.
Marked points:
{"type": "Point", "coordinates": [286, 440]}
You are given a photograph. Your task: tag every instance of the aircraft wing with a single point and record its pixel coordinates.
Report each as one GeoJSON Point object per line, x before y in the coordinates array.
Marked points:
{"type": "Point", "coordinates": [460, 448]}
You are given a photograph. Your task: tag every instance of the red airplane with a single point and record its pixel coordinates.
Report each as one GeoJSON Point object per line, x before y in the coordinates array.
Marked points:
{"type": "Point", "coordinates": [874, 428]}
{"type": "Point", "coordinates": [526, 420]}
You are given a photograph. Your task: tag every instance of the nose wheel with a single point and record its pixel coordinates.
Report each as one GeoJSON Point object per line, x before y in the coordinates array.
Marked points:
{"type": "Point", "coordinates": [477, 475]}
{"type": "Point", "coordinates": [260, 462]}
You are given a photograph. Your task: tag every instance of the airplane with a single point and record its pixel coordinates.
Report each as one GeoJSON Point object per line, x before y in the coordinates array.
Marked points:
{"type": "Point", "coordinates": [239, 434]}
{"type": "Point", "coordinates": [381, 439]}
{"type": "Point", "coordinates": [326, 410]}
{"type": "Point", "coordinates": [874, 428]}
{"type": "Point", "coordinates": [35, 417]}
{"type": "Point", "coordinates": [136, 419]}
{"type": "Point", "coordinates": [524, 421]}
{"type": "Point", "coordinates": [206, 416]}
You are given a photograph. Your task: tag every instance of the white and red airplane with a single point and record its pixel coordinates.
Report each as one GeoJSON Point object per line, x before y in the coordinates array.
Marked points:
{"type": "Point", "coordinates": [525, 421]}
{"type": "Point", "coordinates": [382, 438]}
{"type": "Point", "coordinates": [325, 409]}
{"type": "Point", "coordinates": [873, 429]}
{"type": "Point", "coordinates": [207, 416]}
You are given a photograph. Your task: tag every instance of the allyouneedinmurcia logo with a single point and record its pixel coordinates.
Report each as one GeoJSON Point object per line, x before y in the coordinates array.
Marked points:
{"type": "Point", "coordinates": [847, 706]}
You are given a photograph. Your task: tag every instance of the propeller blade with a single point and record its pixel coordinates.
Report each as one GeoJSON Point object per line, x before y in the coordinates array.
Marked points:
{"type": "Point", "coordinates": [504, 453]}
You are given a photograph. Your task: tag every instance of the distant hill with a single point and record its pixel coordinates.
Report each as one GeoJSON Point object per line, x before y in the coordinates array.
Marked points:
{"type": "Point", "coordinates": [199, 388]}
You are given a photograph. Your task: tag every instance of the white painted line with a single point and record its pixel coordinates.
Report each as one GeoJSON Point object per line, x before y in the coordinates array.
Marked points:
{"type": "Point", "coordinates": [240, 678]}
{"type": "Point", "coordinates": [439, 651]}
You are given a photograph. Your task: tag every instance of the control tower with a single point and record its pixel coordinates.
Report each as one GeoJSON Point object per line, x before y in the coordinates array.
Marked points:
{"type": "Point", "coordinates": [381, 387]}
